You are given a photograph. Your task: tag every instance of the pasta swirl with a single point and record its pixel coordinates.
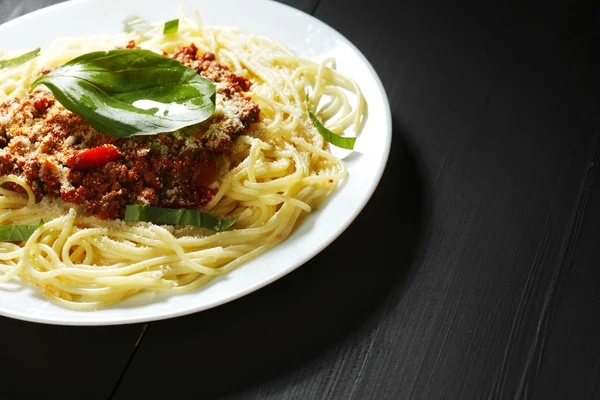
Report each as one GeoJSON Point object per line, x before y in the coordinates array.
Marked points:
{"type": "Point", "coordinates": [277, 173]}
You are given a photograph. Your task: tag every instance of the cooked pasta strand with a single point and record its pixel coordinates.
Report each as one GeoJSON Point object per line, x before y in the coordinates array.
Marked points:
{"type": "Point", "coordinates": [278, 173]}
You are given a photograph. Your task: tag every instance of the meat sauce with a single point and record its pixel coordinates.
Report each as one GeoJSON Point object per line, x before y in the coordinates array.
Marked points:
{"type": "Point", "coordinates": [61, 155]}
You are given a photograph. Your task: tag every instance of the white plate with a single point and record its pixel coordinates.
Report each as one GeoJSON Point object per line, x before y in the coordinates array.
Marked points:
{"type": "Point", "coordinates": [304, 34]}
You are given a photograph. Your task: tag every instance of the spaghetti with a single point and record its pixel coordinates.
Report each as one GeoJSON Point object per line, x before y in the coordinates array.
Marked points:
{"type": "Point", "coordinates": [278, 171]}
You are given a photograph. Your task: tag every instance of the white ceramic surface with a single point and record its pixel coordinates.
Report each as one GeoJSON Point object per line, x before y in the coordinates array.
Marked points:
{"type": "Point", "coordinates": [301, 32]}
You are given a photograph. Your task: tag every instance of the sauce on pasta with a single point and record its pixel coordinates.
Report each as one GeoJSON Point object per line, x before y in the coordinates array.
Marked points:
{"type": "Point", "coordinates": [267, 167]}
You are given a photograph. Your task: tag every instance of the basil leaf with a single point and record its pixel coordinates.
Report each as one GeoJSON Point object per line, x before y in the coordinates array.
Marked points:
{"type": "Point", "coordinates": [171, 27]}
{"type": "Point", "coordinates": [23, 58]}
{"type": "Point", "coordinates": [126, 93]}
{"type": "Point", "coordinates": [17, 233]}
{"type": "Point", "coordinates": [137, 24]}
{"type": "Point", "coordinates": [336, 140]}
{"type": "Point", "coordinates": [176, 216]}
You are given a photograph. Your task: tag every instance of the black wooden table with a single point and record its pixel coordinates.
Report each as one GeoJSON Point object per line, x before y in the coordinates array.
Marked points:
{"type": "Point", "coordinates": [472, 273]}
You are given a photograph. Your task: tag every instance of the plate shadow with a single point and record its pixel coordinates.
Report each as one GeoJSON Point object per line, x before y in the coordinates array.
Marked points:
{"type": "Point", "coordinates": [286, 324]}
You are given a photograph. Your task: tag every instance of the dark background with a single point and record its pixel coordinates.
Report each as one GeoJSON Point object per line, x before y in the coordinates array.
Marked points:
{"type": "Point", "coordinates": [473, 271]}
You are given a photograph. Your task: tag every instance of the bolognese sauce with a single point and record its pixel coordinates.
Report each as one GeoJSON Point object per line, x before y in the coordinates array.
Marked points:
{"type": "Point", "coordinates": [60, 155]}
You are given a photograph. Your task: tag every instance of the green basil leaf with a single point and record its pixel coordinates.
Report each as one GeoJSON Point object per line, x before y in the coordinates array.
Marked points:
{"type": "Point", "coordinates": [336, 140]}
{"type": "Point", "coordinates": [23, 58]}
{"type": "Point", "coordinates": [17, 233]}
{"type": "Point", "coordinates": [176, 216]}
{"type": "Point", "coordinates": [126, 93]}
{"type": "Point", "coordinates": [137, 24]}
{"type": "Point", "coordinates": [171, 27]}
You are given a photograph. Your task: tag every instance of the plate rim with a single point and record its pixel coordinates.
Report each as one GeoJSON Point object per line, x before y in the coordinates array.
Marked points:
{"type": "Point", "coordinates": [331, 237]}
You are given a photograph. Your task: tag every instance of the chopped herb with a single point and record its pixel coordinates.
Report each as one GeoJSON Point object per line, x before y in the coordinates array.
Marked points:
{"type": "Point", "coordinates": [17, 233]}
{"type": "Point", "coordinates": [176, 216]}
{"type": "Point", "coordinates": [23, 58]}
{"type": "Point", "coordinates": [336, 140]}
{"type": "Point", "coordinates": [171, 27]}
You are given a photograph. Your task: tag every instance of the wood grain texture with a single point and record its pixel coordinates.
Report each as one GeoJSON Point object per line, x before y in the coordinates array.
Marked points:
{"type": "Point", "coordinates": [487, 170]}
{"type": "Point", "coordinates": [473, 271]}
{"type": "Point", "coordinates": [45, 361]}
{"type": "Point", "coordinates": [566, 356]}
{"type": "Point", "coordinates": [497, 103]}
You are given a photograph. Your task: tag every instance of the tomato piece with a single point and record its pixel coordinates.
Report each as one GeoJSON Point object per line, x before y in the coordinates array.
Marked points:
{"type": "Point", "coordinates": [94, 157]}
